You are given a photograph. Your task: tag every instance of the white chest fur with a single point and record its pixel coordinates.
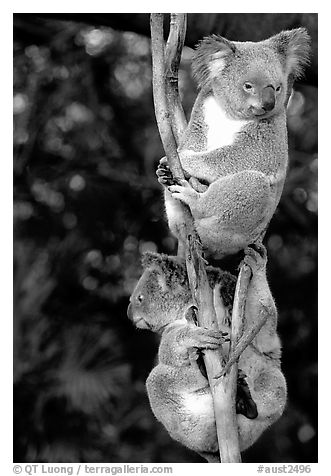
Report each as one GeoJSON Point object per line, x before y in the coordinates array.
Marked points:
{"type": "Point", "coordinates": [221, 130]}
{"type": "Point", "coordinates": [200, 405]}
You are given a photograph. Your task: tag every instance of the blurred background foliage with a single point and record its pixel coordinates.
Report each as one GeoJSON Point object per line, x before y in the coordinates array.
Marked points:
{"type": "Point", "coordinates": [86, 205]}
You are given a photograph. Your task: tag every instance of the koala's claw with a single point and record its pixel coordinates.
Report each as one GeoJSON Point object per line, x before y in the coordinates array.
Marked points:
{"type": "Point", "coordinates": [261, 249]}
{"type": "Point", "coordinates": [165, 176]}
{"type": "Point", "coordinates": [163, 161]}
{"type": "Point", "coordinates": [256, 257]}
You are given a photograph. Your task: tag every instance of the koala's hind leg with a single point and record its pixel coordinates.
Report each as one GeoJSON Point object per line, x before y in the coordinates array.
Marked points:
{"type": "Point", "coordinates": [259, 300]}
{"type": "Point", "coordinates": [232, 212]}
{"type": "Point", "coordinates": [244, 401]}
{"type": "Point", "coordinates": [267, 387]}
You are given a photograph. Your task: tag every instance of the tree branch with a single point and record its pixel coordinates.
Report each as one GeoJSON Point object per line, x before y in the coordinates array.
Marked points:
{"type": "Point", "coordinates": [171, 122]}
{"type": "Point", "coordinates": [173, 53]}
{"type": "Point", "coordinates": [226, 384]}
{"type": "Point", "coordinates": [245, 340]}
{"type": "Point", "coordinates": [160, 95]}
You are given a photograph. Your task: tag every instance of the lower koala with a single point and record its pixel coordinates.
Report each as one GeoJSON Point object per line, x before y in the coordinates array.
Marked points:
{"type": "Point", "coordinates": [178, 390]}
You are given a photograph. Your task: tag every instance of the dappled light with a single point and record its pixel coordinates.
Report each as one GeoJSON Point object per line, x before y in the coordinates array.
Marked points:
{"type": "Point", "coordinates": [87, 204]}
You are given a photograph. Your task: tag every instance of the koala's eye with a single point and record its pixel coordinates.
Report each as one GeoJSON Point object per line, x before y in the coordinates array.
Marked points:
{"type": "Point", "coordinates": [278, 88]}
{"type": "Point", "coordinates": [140, 298]}
{"type": "Point", "coordinates": [248, 87]}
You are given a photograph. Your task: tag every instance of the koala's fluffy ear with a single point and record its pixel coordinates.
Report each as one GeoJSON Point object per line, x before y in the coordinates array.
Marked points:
{"type": "Point", "coordinates": [210, 57]}
{"type": "Point", "coordinates": [172, 267]}
{"type": "Point", "coordinates": [294, 48]}
{"type": "Point", "coordinates": [149, 259]}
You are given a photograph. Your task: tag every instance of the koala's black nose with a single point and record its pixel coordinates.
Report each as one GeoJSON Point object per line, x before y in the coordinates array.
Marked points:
{"type": "Point", "coordinates": [268, 98]}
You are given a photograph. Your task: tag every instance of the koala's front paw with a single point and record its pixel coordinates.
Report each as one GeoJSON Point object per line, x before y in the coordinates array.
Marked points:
{"type": "Point", "coordinates": [164, 174]}
{"type": "Point", "coordinates": [185, 193]}
{"type": "Point", "coordinates": [207, 339]}
{"type": "Point", "coordinates": [256, 257]}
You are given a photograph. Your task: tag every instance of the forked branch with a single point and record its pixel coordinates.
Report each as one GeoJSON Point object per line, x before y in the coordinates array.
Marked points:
{"type": "Point", "coordinates": [171, 123]}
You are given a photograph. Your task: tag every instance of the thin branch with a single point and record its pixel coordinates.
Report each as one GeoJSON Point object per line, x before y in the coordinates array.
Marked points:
{"type": "Point", "coordinates": [245, 340]}
{"type": "Point", "coordinates": [173, 52]}
{"type": "Point", "coordinates": [239, 302]}
{"type": "Point", "coordinates": [160, 95]}
{"type": "Point", "coordinates": [226, 384]}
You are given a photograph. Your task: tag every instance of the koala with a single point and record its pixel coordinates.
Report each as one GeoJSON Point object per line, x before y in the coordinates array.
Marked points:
{"type": "Point", "coordinates": [234, 151]}
{"type": "Point", "coordinates": [178, 390]}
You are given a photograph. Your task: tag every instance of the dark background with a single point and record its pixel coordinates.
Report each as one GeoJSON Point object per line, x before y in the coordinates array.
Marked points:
{"type": "Point", "coordinates": [87, 204]}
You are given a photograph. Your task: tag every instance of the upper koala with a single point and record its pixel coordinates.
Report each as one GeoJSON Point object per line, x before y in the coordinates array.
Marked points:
{"type": "Point", "coordinates": [236, 140]}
